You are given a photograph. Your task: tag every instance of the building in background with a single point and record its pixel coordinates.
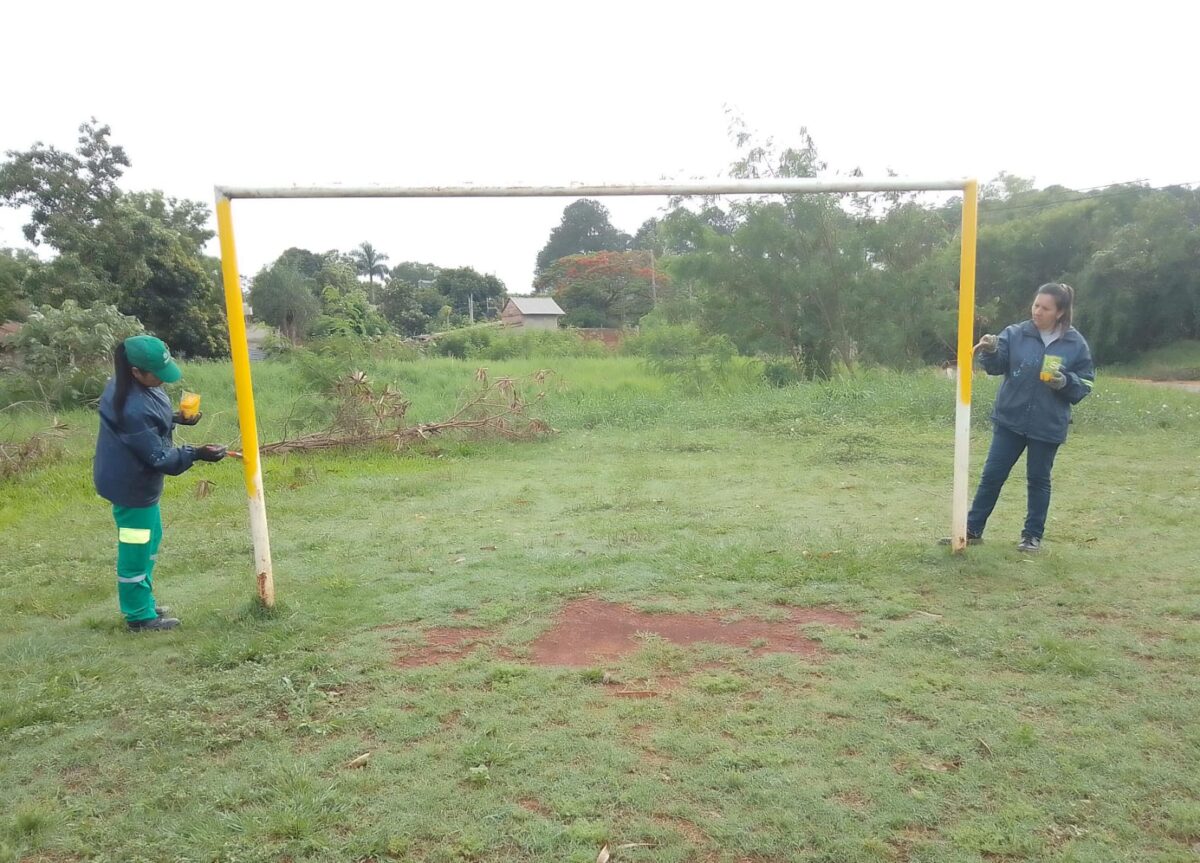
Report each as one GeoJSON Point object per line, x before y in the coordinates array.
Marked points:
{"type": "Point", "coordinates": [531, 313]}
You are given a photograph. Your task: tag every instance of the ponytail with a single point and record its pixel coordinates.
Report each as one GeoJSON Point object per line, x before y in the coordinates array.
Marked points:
{"type": "Point", "coordinates": [122, 378]}
{"type": "Point", "coordinates": [1064, 298]}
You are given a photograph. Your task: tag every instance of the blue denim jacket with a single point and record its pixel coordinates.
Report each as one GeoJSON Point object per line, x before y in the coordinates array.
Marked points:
{"type": "Point", "coordinates": [1025, 404]}
{"type": "Point", "coordinates": [134, 450]}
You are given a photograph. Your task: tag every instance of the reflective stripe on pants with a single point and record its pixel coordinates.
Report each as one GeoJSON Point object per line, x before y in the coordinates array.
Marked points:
{"type": "Point", "coordinates": [139, 532]}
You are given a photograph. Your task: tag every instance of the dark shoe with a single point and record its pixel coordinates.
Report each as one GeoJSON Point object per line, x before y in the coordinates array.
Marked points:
{"type": "Point", "coordinates": [972, 539]}
{"type": "Point", "coordinates": [1031, 544]}
{"type": "Point", "coordinates": [155, 624]}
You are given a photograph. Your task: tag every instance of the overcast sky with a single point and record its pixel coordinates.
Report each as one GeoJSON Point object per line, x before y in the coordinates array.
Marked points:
{"type": "Point", "coordinates": [1079, 94]}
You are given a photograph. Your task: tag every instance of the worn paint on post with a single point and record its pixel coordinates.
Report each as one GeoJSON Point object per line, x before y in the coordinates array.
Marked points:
{"type": "Point", "coordinates": [244, 390]}
{"type": "Point", "coordinates": [966, 356]}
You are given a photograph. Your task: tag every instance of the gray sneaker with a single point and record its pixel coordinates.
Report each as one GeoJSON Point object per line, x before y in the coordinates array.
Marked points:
{"type": "Point", "coordinates": [1031, 544]}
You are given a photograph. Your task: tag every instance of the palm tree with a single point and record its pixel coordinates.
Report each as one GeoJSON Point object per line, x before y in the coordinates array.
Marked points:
{"type": "Point", "coordinates": [369, 262]}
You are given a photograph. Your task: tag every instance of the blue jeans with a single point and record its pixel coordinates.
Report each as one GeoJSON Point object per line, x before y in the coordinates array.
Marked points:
{"type": "Point", "coordinates": [1006, 448]}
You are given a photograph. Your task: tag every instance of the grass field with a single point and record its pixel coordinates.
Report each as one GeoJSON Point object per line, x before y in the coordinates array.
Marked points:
{"type": "Point", "coordinates": [1176, 362]}
{"type": "Point", "coordinates": [992, 707]}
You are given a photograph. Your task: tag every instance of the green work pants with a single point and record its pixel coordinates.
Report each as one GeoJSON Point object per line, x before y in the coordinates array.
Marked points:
{"type": "Point", "coordinates": [139, 532]}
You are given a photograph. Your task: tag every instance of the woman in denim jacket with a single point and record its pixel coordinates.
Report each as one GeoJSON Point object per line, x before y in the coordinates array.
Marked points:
{"type": "Point", "coordinates": [1047, 367]}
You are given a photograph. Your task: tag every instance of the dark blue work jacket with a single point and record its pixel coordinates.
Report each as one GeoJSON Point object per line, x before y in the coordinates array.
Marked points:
{"type": "Point", "coordinates": [1025, 404]}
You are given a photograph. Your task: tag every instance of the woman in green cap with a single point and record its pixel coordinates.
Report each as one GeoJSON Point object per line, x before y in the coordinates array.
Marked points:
{"type": "Point", "coordinates": [134, 451]}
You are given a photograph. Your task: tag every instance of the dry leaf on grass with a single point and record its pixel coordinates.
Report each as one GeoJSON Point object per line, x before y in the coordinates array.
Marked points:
{"type": "Point", "coordinates": [605, 855]}
{"type": "Point", "coordinates": [360, 761]}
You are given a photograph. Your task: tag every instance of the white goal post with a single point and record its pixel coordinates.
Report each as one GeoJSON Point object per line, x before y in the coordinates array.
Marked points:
{"type": "Point", "coordinates": [780, 186]}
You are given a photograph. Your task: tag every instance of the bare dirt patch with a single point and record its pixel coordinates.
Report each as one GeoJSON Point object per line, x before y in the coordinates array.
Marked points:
{"type": "Point", "coordinates": [591, 631]}
{"type": "Point", "coordinates": [443, 644]}
{"type": "Point", "coordinates": [537, 807]}
{"type": "Point", "coordinates": [1188, 386]}
{"type": "Point", "coordinates": [693, 833]}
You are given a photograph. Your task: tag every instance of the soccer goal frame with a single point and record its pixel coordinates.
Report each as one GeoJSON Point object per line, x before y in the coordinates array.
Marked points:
{"type": "Point", "coordinates": [244, 390]}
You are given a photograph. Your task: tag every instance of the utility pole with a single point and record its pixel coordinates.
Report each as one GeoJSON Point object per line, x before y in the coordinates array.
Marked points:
{"type": "Point", "coordinates": [653, 280]}
{"type": "Point", "coordinates": [471, 306]}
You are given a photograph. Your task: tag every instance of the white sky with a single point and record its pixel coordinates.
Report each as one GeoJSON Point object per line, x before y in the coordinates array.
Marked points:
{"type": "Point", "coordinates": [1080, 94]}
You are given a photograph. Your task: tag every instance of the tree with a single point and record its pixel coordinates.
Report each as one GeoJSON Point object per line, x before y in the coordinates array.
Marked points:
{"type": "Point", "coordinates": [67, 193]}
{"type": "Point", "coordinates": [140, 251]}
{"type": "Point", "coordinates": [604, 289]}
{"type": "Point", "coordinates": [461, 284]}
{"type": "Point", "coordinates": [369, 262]}
{"type": "Point", "coordinates": [180, 302]}
{"type": "Point", "coordinates": [791, 277]}
{"type": "Point", "coordinates": [15, 268]}
{"type": "Point", "coordinates": [912, 273]}
{"type": "Point", "coordinates": [401, 306]}
{"type": "Point", "coordinates": [584, 228]}
{"type": "Point", "coordinates": [337, 271]}
{"type": "Point", "coordinates": [647, 237]}
{"type": "Point", "coordinates": [348, 314]}
{"type": "Point", "coordinates": [285, 298]}
{"type": "Point", "coordinates": [675, 233]}
{"type": "Point", "coordinates": [414, 273]}
{"type": "Point", "coordinates": [307, 263]}
{"type": "Point", "coordinates": [1143, 288]}
{"type": "Point", "coordinates": [431, 302]}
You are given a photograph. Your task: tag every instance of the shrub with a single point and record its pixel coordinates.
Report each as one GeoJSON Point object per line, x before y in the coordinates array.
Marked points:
{"type": "Point", "coordinates": [782, 372]}
{"type": "Point", "coordinates": [697, 361]}
{"type": "Point", "coordinates": [276, 344]}
{"type": "Point", "coordinates": [64, 355]}
{"type": "Point", "coordinates": [540, 343]}
{"type": "Point", "coordinates": [467, 342]}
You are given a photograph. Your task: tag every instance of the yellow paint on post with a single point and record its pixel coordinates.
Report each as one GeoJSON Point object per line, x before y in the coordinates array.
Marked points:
{"type": "Point", "coordinates": [238, 348]}
{"type": "Point", "coordinates": [966, 290]}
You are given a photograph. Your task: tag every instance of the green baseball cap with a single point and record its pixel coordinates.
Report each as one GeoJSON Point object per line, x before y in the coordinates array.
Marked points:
{"type": "Point", "coordinates": [151, 355]}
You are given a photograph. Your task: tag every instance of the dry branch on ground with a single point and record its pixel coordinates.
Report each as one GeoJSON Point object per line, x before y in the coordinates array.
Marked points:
{"type": "Point", "coordinates": [491, 409]}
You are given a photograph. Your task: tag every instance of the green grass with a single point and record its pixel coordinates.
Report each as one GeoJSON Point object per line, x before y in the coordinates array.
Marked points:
{"type": "Point", "coordinates": [1178, 361]}
{"type": "Point", "coordinates": [992, 707]}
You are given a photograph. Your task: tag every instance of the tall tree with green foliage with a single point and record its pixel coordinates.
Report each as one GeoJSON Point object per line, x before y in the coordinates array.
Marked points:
{"type": "Point", "coordinates": [604, 289]}
{"type": "Point", "coordinates": [15, 268]}
{"type": "Point", "coordinates": [67, 194]}
{"type": "Point", "coordinates": [414, 272]}
{"type": "Point", "coordinates": [337, 271]}
{"type": "Point", "coordinates": [1143, 289]}
{"type": "Point", "coordinates": [462, 284]}
{"type": "Point", "coordinates": [348, 314]}
{"type": "Point", "coordinates": [142, 252]}
{"type": "Point", "coordinates": [400, 304]}
{"type": "Point", "coordinates": [307, 263]}
{"type": "Point", "coordinates": [369, 262]}
{"type": "Point", "coordinates": [790, 278]}
{"type": "Point", "coordinates": [910, 287]}
{"type": "Point", "coordinates": [585, 227]}
{"type": "Point", "coordinates": [285, 298]}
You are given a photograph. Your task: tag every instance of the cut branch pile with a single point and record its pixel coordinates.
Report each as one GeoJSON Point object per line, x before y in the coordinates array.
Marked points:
{"type": "Point", "coordinates": [18, 457]}
{"type": "Point", "coordinates": [493, 408]}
